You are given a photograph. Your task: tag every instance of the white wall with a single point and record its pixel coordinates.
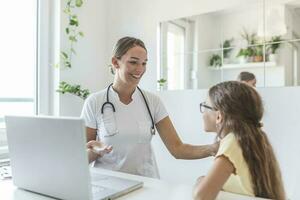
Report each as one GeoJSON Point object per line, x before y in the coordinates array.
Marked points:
{"type": "Point", "coordinates": [281, 123]}
{"type": "Point", "coordinates": [208, 37]}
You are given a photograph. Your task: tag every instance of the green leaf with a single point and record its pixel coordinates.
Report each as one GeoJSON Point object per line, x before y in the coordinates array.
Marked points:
{"type": "Point", "coordinates": [67, 30]}
{"type": "Point", "coordinates": [68, 64]}
{"type": "Point", "coordinates": [81, 34]}
{"type": "Point", "coordinates": [67, 11]}
{"type": "Point", "coordinates": [72, 89]}
{"type": "Point", "coordinates": [79, 3]}
{"type": "Point", "coordinates": [74, 21]}
{"type": "Point", "coordinates": [73, 38]}
{"type": "Point", "coordinates": [64, 54]}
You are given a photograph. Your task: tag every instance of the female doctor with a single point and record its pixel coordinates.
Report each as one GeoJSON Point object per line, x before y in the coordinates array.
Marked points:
{"type": "Point", "coordinates": [124, 117]}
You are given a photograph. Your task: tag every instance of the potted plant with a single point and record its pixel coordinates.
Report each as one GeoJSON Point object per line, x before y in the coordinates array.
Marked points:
{"type": "Point", "coordinates": [258, 53]}
{"type": "Point", "coordinates": [243, 55]}
{"type": "Point", "coordinates": [252, 40]}
{"type": "Point", "coordinates": [73, 35]}
{"type": "Point", "coordinates": [215, 61]}
{"type": "Point", "coordinates": [226, 50]}
{"type": "Point", "coordinates": [273, 47]}
{"type": "Point", "coordinates": [161, 82]}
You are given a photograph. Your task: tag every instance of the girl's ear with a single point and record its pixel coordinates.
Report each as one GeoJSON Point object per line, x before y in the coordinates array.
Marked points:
{"type": "Point", "coordinates": [219, 118]}
{"type": "Point", "coordinates": [114, 62]}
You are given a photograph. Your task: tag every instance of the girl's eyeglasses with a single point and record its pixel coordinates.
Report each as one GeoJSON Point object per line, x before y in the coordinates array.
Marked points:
{"type": "Point", "coordinates": [204, 107]}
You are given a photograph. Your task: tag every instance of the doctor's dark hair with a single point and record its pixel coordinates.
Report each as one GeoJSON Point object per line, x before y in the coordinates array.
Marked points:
{"type": "Point", "coordinates": [242, 110]}
{"type": "Point", "coordinates": [123, 45]}
{"type": "Point", "coordinates": [246, 76]}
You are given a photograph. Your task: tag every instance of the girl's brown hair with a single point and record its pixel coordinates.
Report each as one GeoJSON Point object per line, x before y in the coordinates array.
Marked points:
{"type": "Point", "coordinates": [242, 110]}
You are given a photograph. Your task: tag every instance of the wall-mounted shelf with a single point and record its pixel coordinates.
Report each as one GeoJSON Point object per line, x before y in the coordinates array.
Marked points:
{"type": "Point", "coordinates": [246, 65]}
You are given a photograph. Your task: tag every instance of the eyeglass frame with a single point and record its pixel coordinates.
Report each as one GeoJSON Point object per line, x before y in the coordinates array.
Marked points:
{"type": "Point", "coordinates": [203, 104]}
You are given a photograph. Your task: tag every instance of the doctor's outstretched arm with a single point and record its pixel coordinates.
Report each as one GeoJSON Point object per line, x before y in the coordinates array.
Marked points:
{"type": "Point", "coordinates": [177, 148]}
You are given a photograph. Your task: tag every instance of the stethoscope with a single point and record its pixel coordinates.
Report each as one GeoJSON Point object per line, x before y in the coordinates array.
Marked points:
{"type": "Point", "coordinates": [114, 110]}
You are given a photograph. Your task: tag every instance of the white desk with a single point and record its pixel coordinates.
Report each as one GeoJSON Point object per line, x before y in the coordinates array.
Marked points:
{"type": "Point", "coordinates": [152, 189]}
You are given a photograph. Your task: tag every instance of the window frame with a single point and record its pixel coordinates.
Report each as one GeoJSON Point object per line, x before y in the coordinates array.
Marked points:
{"type": "Point", "coordinates": [43, 67]}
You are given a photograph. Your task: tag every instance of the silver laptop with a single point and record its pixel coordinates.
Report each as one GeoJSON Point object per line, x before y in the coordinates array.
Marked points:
{"type": "Point", "coordinates": [48, 156]}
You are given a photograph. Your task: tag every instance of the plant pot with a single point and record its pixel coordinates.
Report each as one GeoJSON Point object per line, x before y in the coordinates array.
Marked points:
{"type": "Point", "coordinates": [258, 58]}
{"type": "Point", "coordinates": [250, 59]}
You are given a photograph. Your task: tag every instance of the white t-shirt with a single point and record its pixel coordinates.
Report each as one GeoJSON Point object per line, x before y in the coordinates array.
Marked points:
{"type": "Point", "coordinates": [128, 130]}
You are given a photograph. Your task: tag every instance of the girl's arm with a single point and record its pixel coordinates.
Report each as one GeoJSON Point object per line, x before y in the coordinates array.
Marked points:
{"type": "Point", "coordinates": [208, 187]}
{"type": "Point", "coordinates": [178, 149]}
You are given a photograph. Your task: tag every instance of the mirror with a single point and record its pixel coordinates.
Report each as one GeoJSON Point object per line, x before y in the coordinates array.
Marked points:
{"type": "Point", "coordinates": [261, 37]}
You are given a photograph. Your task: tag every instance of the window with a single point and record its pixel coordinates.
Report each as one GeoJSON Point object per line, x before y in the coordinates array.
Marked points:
{"type": "Point", "coordinates": [18, 52]}
{"type": "Point", "coordinates": [175, 57]}
{"type": "Point", "coordinates": [173, 60]}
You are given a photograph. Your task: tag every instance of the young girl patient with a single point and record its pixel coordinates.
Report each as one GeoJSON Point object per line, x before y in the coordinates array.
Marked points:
{"type": "Point", "coordinates": [245, 162]}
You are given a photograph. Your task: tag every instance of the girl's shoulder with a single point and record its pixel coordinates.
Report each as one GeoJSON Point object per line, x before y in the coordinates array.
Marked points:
{"type": "Point", "coordinates": [229, 139]}
{"type": "Point", "coordinates": [229, 145]}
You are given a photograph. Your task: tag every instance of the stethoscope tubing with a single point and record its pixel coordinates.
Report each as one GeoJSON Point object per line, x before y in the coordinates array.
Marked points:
{"type": "Point", "coordinates": [114, 110]}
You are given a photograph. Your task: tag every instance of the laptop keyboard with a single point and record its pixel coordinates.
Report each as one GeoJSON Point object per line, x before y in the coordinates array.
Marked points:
{"type": "Point", "coordinates": [96, 189]}
{"type": "Point", "coordinates": [99, 192]}
{"type": "Point", "coordinates": [5, 172]}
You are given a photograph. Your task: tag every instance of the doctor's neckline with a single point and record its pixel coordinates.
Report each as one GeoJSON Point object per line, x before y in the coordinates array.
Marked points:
{"type": "Point", "coordinates": [133, 97]}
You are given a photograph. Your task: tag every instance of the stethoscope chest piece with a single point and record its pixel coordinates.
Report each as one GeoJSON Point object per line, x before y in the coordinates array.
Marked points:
{"type": "Point", "coordinates": [152, 131]}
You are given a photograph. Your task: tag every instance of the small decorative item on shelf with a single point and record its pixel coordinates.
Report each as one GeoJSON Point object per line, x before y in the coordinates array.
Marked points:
{"type": "Point", "coordinates": [215, 61]}
{"type": "Point", "coordinates": [243, 55]}
{"type": "Point", "coordinates": [273, 47]}
{"type": "Point", "coordinates": [258, 54]}
{"type": "Point", "coordinates": [227, 50]}
{"type": "Point", "coordinates": [251, 53]}
{"type": "Point", "coordinates": [161, 82]}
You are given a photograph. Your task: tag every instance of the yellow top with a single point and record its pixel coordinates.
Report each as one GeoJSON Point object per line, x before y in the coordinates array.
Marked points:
{"type": "Point", "coordinates": [240, 181]}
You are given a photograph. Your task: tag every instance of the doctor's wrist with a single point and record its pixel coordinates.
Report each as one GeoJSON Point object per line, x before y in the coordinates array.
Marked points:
{"type": "Point", "coordinates": [214, 148]}
{"type": "Point", "coordinates": [92, 156]}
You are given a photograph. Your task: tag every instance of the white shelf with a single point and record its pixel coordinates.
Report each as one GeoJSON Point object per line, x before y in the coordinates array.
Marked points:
{"type": "Point", "coordinates": [247, 65]}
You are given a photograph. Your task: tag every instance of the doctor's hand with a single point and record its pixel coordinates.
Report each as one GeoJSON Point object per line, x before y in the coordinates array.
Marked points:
{"type": "Point", "coordinates": [98, 148]}
{"type": "Point", "coordinates": [214, 148]}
